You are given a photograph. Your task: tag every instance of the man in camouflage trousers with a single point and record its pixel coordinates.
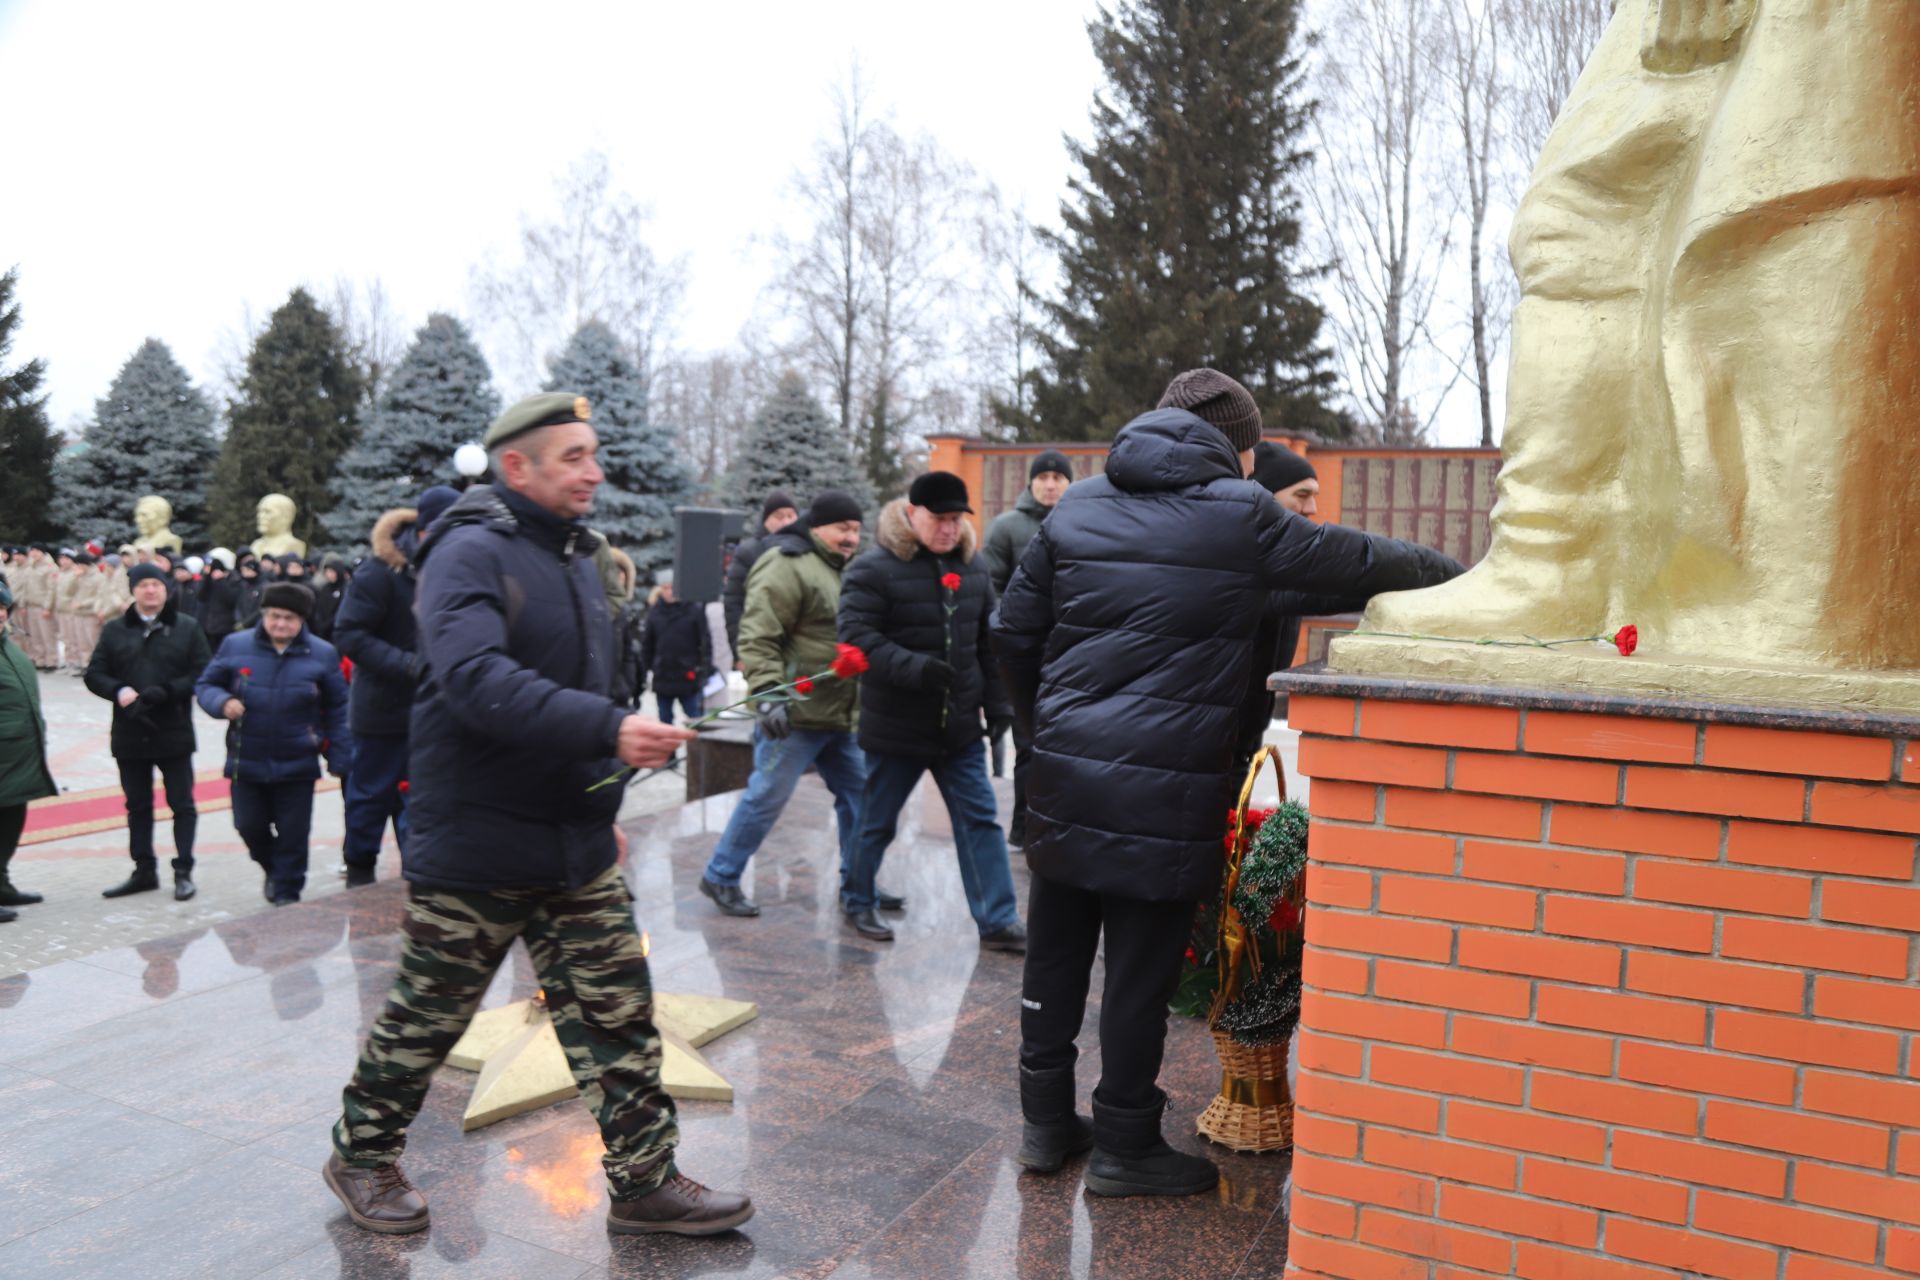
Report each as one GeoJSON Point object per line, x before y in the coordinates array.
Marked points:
{"type": "Point", "coordinates": [509, 838]}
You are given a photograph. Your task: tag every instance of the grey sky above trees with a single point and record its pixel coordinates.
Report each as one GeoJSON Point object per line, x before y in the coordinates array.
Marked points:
{"type": "Point", "coordinates": [714, 174]}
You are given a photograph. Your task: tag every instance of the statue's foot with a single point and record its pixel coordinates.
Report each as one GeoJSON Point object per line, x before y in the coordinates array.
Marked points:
{"type": "Point", "coordinates": [1504, 597]}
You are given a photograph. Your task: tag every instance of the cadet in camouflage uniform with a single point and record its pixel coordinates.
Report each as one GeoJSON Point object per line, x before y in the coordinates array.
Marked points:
{"type": "Point", "coordinates": [511, 727]}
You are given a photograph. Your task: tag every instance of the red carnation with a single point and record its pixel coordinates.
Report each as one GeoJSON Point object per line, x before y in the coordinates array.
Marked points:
{"type": "Point", "coordinates": [803, 685]}
{"type": "Point", "coordinates": [848, 661]}
{"type": "Point", "coordinates": [693, 675]}
{"type": "Point", "coordinates": [246, 671]}
{"type": "Point", "coordinates": [951, 581]}
{"type": "Point", "coordinates": [405, 786]}
{"type": "Point", "coordinates": [1190, 955]}
{"type": "Point", "coordinates": [1626, 640]}
{"type": "Point", "coordinates": [1285, 916]}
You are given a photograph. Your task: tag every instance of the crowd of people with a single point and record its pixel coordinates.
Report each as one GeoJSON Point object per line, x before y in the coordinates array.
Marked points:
{"type": "Point", "coordinates": [1118, 629]}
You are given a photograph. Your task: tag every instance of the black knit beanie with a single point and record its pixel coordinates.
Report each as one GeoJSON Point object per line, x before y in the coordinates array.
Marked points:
{"type": "Point", "coordinates": [831, 506]}
{"type": "Point", "coordinates": [1277, 467]}
{"type": "Point", "coordinates": [1049, 460]}
{"type": "Point", "coordinates": [1213, 397]}
{"type": "Point", "coordinates": [778, 500]}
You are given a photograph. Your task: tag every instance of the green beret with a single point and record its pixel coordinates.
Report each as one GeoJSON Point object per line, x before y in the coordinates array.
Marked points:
{"type": "Point", "coordinates": [547, 410]}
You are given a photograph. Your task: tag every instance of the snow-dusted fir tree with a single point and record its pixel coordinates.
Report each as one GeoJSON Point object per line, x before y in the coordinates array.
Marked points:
{"type": "Point", "coordinates": [646, 477]}
{"type": "Point", "coordinates": [793, 445]}
{"type": "Point", "coordinates": [440, 397]}
{"type": "Point", "coordinates": [151, 433]}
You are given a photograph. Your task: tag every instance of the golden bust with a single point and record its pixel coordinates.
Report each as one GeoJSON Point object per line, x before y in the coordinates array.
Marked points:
{"type": "Point", "coordinates": [151, 516]}
{"type": "Point", "coordinates": [1715, 376]}
{"type": "Point", "coordinates": [274, 519]}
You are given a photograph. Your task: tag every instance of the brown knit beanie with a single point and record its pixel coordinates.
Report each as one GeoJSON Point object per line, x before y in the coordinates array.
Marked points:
{"type": "Point", "coordinates": [1214, 397]}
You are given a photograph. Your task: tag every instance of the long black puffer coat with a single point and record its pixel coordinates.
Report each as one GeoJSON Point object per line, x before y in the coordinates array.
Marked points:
{"type": "Point", "coordinates": [1128, 638]}
{"type": "Point", "coordinates": [512, 722]}
{"type": "Point", "coordinates": [676, 648]}
{"type": "Point", "coordinates": [893, 605]}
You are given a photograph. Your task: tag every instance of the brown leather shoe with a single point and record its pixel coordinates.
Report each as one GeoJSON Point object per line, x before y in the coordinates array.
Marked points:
{"type": "Point", "coordinates": [682, 1206]}
{"type": "Point", "coordinates": [378, 1199]}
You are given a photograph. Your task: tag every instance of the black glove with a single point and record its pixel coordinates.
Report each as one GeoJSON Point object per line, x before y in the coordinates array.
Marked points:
{"type": "Point", "coordinates": [936, 676]}
{"type": "Point", "coordinates": [774, 721]}
{"type": "Point", "coordinates": [997, 725]}
{"type": "Point", "coordinates": [154, 695]}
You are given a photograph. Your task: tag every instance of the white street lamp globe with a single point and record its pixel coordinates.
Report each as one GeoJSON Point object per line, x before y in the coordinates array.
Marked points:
{"type": "Point", "coordinates": [470, 460]}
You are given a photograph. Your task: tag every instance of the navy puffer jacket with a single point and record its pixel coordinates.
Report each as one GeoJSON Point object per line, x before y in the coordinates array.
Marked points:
{"type": "Point", "coordinates": [296, 706]}
{"type": "Point", "coordinates": [1127, 636]}
{"type": "Point", "coordinates": [374, 627]}
{"type": "Point", "coordinates": [512, 719]}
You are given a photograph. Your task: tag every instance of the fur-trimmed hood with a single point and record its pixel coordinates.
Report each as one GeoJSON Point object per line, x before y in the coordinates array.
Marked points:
{"type": "Point", "coordinates": [387, 536]}
{"type": "Point", "coordinates": [623, 565]}
{"type": "Point", "coordinates": [896, 535]}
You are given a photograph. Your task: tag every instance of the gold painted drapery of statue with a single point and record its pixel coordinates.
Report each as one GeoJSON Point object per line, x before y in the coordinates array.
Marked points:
{"type": "Point", "coordinates": [152, 516]}
{"type": "Point", "coordinates": [274, 518]}
{"type": "Point", "coordinates": [1713, 422]}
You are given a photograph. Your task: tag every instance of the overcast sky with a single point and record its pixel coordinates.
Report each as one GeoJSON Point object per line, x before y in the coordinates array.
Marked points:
{"type": "Point", "coordinates": [171, 168]}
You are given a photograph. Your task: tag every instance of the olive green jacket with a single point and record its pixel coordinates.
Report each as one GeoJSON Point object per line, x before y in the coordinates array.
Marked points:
{"type": "Point", "coordinates": [790, 628]}
{"type": "Point", "coordinates": [23, 731]}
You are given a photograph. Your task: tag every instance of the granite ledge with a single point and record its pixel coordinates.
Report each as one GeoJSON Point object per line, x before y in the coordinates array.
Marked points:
{"type": "Point", "coordinates": [1315, 680]}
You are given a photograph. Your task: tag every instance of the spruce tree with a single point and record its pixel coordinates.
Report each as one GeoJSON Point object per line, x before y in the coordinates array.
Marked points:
{"type": "Point", "coordinates": [28, 445]}
{"type": "Point", "coordinates": [646, 478]}
{"type": "Point", "coordinates": [439, 396]}
{"type": "Point", "coordinates": [151, 433]}
{"type": "Point", "coordinates": [297, 413]}
{"type": "Point", "coordinates": [793, 445]}
{"type": "Point", "coordinates": [1180, 233]}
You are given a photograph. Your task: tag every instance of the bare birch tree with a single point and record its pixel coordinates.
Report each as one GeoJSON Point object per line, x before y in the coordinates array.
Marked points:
{"type": "Point", "coordinates": [822, 277]}
{"type": "Point", "coordinates": [1387, 222]}
{"type": "Point", "coordinates": [1548, 43]}
{"type": "Point", "coordinates": [591, 262]}
{"type": "Point", "coordinates": [375, 334]}
{"type": "Point", "coordinates": [1474, 80]}
{"type": "Point", "coordinates": [1005, 346]}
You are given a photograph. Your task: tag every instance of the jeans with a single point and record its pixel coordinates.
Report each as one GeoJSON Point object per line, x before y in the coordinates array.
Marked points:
{"type": "Point", "coordinates": [777, 767]}
{"type": "Point", "coordinates": [1146, 942]}
{"type": "Point", "coordinates": [274, 818]}
{"type": "Point", "coordinates": [371, 796]}
{"type": "Point", "coordinates": [977, 837]}
{"type": "Point", "coordinates": [136, 783]}
{"type": "Point", "coordinates": [688, 702]}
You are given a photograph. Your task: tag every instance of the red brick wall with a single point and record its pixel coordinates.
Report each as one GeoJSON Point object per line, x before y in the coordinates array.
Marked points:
{"type": "Point", "coordinates": [1591, 997]}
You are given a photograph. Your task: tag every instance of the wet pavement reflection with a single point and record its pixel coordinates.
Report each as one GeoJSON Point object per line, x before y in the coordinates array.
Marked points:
{"type": "Point", "coordinates": [164, 1107]}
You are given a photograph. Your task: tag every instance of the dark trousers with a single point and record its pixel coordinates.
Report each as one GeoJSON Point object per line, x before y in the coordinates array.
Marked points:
{"type": "Point", "coordinates": [136, 783]}
{"type": "Point", "coordinates": [371, 796]}
{"type": "Point", "coordinates": [1022, 761]}
{"type": "Point", "coordinates": [13, 820]}
{"type": "Point", "coordinates": [688, 702]}
{"type": "Point", "coordinates": [1146, 942]}
{"type": "Point", "coordinates": [274, 818]}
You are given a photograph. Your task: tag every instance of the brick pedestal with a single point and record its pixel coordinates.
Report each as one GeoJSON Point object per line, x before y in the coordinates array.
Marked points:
{"type": "Point", "coordinates": [1605, 992]}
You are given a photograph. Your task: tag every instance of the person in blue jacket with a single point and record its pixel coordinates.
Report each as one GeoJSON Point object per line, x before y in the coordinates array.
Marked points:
{"type": "Point", "coordinates": [279, 688]}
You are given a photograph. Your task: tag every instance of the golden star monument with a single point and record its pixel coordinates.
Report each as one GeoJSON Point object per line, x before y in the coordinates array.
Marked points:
{"type": "Point", "coordinates": [523, 1068]}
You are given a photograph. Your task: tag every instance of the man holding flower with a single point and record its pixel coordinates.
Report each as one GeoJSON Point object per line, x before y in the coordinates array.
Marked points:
{"type": "Point", "coordinates": [508, 837]}
{"type": "Point", "coordinates": [787, 634]}
{"type": "Point", "coordinates": [918, 604]}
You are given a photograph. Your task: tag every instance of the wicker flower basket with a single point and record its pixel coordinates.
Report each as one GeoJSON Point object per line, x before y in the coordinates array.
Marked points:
{"type": "Point", "coordinates": [1253, 1111]}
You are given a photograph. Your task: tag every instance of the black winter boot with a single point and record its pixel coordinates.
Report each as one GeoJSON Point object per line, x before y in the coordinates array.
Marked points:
{"type": "Point", "coordinates": [10, 896]}
{"type": "Point", "coordinates": [1131, 1159]}
{"type": "Point", "coordinates": [1053, 1132]}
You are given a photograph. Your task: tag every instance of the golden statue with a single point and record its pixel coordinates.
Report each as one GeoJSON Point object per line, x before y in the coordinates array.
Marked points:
{"type": "Point", "coordinates": [151, 516]}
{"type": "Point", "coordinates": [1713, 423]}
{"type": "Point", "coordinates": [274, 518]}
